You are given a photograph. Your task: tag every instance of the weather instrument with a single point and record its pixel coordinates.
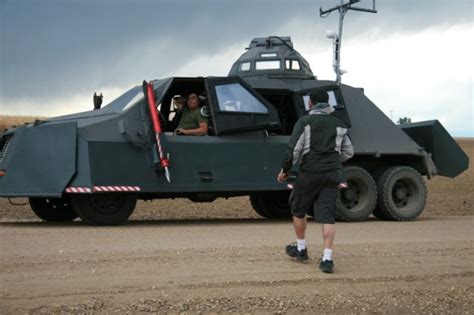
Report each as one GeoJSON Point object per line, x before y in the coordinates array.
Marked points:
{"type": "Point", "coordinates": [342, 8]}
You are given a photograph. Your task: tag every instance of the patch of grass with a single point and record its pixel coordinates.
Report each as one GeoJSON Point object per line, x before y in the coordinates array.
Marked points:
{"type": "Point", "coordinates": [7, 121]}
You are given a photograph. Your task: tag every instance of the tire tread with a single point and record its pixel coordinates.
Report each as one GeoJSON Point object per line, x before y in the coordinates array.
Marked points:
{"type": "Point", "coordinates": [342, 216]}
{"type": "Point", "coordinates": [383, 202]}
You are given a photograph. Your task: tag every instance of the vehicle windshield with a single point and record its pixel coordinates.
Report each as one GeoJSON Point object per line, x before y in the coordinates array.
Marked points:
{"type": "Point", "coordinates": [234, 97]}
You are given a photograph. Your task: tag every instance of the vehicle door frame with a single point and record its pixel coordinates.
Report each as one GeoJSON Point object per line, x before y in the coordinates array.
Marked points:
{"type": "Point", "coordinates": [339, 110]}
{"type": "Point", "coordinates": [225, 122]}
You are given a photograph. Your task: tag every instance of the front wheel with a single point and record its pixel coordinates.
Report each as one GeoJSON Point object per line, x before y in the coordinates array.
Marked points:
{"type": "Point", "coordinates": [53, 209]}
{"type": "Point", "coordinates": [104, 209]}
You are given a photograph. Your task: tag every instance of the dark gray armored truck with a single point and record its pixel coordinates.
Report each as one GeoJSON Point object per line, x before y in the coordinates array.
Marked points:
{"type": "Point", "coordinates": [96, 165]}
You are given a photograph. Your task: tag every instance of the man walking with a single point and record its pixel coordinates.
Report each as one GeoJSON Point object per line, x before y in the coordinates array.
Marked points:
{"type": "Point", "coordinates": [318, 144]}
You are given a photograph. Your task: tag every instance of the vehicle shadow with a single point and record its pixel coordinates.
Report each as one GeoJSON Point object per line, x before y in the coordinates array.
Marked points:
{"type": "Point", "coordinates": [151, 222]}
{"type": "Point", "coordinates": [184, 222]}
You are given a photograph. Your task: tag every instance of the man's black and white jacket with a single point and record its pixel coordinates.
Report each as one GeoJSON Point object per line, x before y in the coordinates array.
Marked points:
{"type": "Point", "coordinates": [319, 142]}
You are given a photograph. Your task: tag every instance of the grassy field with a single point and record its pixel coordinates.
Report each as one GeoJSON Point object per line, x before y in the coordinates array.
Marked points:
{"type": "Point", "coordinates": [7, 121]}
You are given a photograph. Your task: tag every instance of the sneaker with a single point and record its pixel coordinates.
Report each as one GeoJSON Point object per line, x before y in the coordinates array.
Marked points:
{"type": "Point", "coordinates": [300, 255]}
{"type": "Point", "coordinates": [326, 266]}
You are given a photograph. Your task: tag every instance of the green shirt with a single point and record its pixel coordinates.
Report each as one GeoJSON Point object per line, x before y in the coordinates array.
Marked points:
{"type": "Point", "coordinates": [191, 118]}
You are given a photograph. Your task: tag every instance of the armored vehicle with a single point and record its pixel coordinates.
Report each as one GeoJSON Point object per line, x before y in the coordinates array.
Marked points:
{"type": "Point", "coordinates": [96, 165]}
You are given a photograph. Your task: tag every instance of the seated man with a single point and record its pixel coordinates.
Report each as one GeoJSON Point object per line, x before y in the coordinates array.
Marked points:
{"type": "Point", "coordinates": [178, 103]}
{"type": "Point", "coordinates": [192, 123]}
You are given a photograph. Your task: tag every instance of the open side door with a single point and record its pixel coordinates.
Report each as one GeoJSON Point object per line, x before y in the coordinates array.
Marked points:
{"type": "Point", "coordinates": [235, 106]}
{"type": "Point", "coordinates": [335, 100]}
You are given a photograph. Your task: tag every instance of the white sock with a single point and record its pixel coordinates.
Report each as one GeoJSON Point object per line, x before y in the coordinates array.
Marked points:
{"type": "Point", "coordinates": [327, 254]}
{"type": "Point", "coordinates": [301, 244]}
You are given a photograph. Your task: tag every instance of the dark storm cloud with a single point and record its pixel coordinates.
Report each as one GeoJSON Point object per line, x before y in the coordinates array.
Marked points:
{"type": "Point", "coordinates": [64, 45]}
{"type": "Point", "coordinates": [52, 48]}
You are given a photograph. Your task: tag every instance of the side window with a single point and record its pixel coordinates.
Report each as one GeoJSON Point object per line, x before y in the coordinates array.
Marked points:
{"type": "Point", "coordinates": [234, 97]}
{"type": "Point", "coordinates": [292, 64]}
{"type": "Point", "coordinates": [245, 66]}
{"type": "Point", "coordinates": [267, 64]}
{"type": "Point", "coordinates": [332, 100]}
{"type": "Point", "coordinates": [295, 65]}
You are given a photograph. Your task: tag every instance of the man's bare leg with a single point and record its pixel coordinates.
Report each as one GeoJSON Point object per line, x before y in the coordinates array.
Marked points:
{"type": "Point", "coordinates": [300, 227]}
{"type": "Point", "coordinates": [329, 233]}
{"type": "Point", "coordinates": [298, 251]}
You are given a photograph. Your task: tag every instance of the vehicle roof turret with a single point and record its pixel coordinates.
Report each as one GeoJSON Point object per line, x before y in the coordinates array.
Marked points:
{"type": "Point", "coordinates": [272, 56]}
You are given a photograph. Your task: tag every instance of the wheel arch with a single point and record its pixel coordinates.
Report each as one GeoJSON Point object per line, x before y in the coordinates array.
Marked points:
{"type": "Point", "coordinates": [373, 163]}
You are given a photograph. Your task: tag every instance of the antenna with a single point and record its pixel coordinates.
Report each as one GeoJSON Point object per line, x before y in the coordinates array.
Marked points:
{"type": "Point", "coordinates": [337, 37]}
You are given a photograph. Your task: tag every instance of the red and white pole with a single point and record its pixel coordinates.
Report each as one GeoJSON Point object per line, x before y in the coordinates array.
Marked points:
{"type": "Point", "coordinates": [150, 96]}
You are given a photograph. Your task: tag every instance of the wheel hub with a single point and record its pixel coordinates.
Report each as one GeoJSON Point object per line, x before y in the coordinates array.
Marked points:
{"type": "Point", "coordinates": [107, 204]}
{"type": "Point", "coordinates": [349, 194]}
{"type": "Point", "coordinates": [57, 203]}
{"type": "Point", "coordinates": [350, 197]}
{"type": "Point", "coordinates": [401, 193]}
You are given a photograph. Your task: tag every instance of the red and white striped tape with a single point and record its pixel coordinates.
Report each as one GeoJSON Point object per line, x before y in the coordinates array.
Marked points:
{"type": "Point", "coordinates": [85, 190]}
{"type": "Point", "coordinates": [115, 188]}
{"type": "Point", "coordinates": [80, 190]}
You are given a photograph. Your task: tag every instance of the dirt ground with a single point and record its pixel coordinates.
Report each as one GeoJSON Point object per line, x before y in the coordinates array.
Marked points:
{"type": "Point", "coordinates": [236, 265]}
{"type": "Point", "coordinates": [176, 256]}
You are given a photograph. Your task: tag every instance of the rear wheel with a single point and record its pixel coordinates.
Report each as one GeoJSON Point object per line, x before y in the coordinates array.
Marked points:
{"type": "Point", "coordinates": [271, 204]}
{"type": "Point", "coordinates": [53, 209]}
{"type": "Point", "coordinates": [104, 209]}
{"type": "Point", "coordinates": [357, 201]}
{"type": "Point", "coordinates": [378, 213]}
{"type": "Point", "coordinates": [401, 193]}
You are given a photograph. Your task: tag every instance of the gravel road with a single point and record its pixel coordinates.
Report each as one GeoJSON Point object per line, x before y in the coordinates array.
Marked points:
{"type": "Point", "coordinates": [235, 265]}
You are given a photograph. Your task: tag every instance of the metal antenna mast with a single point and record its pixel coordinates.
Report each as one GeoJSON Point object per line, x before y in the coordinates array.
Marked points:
{"type": "Point", "coordinates": [337, 37]}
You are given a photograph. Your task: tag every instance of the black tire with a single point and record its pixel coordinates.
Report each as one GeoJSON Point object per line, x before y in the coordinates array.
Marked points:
{"type": "Point", "coordinates": [254, 201]}
{"type": "Point", "coordinates": [378, 213]}
{"type": "Point", "coordinates": [356, 202]}
{"type": "Point", "coordinates": [104, 209]}
{"type": "Point", "coordinates": [53, 209]}
{"type": "Point", "coordinates": [401, 193]}
{"type": "Point", "coordinates": [271, 204]}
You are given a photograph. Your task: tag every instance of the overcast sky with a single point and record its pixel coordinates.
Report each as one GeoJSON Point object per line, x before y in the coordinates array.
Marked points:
{"type": "Point", "coordinates": [414, 58]}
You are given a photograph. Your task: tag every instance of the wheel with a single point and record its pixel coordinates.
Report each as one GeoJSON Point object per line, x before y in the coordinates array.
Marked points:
{"type": "Point", "coordinates": [401, 193]}
{"type": "Point", "coordinates": [378, 213]}
{"type": "Point", "coordinates": [255, 202]}
{"type": "Point", "coordinates": [357, 201]}
{"type": "Point", "coordinates": [104, 209]}
{"type": "Point", "coordinates": [271, 204]}
{"type": "Point", "coordinates": [53, 209]}
{"type": "Point", "coordinates": [203, 197]}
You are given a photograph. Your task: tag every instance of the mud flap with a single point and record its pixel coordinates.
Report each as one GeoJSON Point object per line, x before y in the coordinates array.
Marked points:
{"type": "Point", "coordinates": [449, 158]}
